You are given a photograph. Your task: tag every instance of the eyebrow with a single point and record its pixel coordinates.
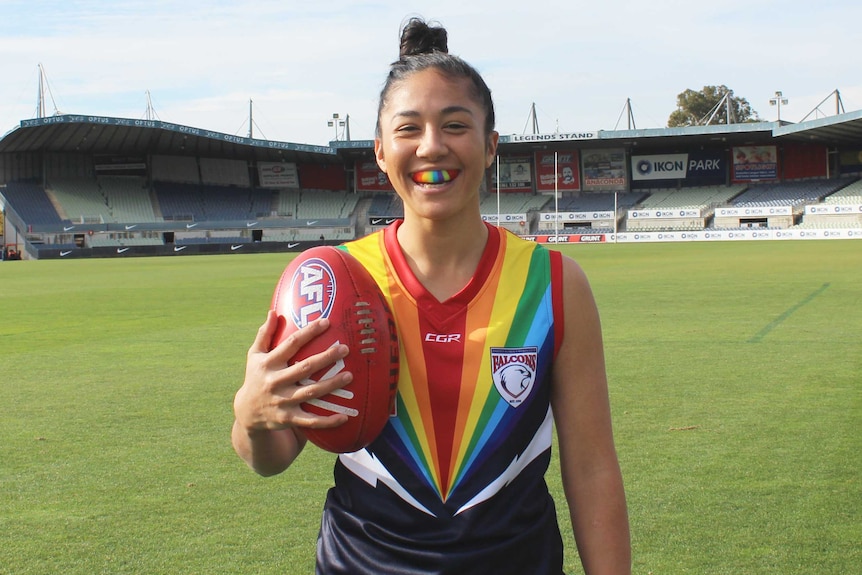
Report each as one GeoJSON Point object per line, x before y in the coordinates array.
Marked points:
{"type": "Point", "coordinates": [447, 110]}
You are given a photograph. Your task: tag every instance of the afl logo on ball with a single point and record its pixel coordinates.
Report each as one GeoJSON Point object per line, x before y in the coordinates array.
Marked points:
{"type": "Point", "coordinates": [312, 291]}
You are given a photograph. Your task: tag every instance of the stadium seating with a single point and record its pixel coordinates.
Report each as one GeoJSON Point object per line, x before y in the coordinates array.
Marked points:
{"type": "Point", "coordinates": [288, 200]}
{"type": "Point", "coordinates": [794, 193]}
{"type": "Point", "coordinates": [188, 202]}
{"type": "Point", "coordinates": [104, 200]}
{"type": "Point", "coordinates": [31, 203]}
{"type": "Point", "coordinates": [81, 200]}
{"type": "Point", "coordinates": [325, 204]}
{"type": "Point", "coordinates": [128, 198]}
{"type": "Point", "coordinates": [386, 205]}
{"type": "Point", "coordinates": [176, 169]}
{"type": "Point", "coordinates": [850, 194]}
{"type": "Point", "coordinates": [512, 203]}
{"type": "Point", "coordinates": [599, 202]}
{"type": "Point", "coordinates": [691, 198]}
{"type": "Point", "coordinates": [179, 201]}
{"type": "Point", "coordinates": [226, 204]}
{"type": "Point", "coordinates": [260, 203]}
{"type": "Point", "coordinates": [823, 225]}
{"type": "Point", "coordinates": [220, 172]}
{"type": "Point", "coordinates": [296, 235]}
{"type": "Point", "coordinates": [189, 193]}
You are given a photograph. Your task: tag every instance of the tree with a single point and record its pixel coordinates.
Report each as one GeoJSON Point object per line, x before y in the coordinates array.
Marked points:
{"type": "Point", "coordinates": [712, 105]}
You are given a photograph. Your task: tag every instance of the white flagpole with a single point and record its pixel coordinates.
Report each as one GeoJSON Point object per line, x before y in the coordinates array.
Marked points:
{"type": "Point", "coordinates": [615, 216]}
{"type": "Point", "coordinates": [498, 191]}
{"type": "Point", "coordinates": [556, 201]}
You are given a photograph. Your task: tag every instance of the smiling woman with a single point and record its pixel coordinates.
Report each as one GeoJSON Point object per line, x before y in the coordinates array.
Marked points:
{"type": "Point", "coordinates": [500, 343]}
{"type": "Point", "coordinates": [434, 148]}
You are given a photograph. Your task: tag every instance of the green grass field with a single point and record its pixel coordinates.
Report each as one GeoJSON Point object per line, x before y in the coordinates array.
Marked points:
{"type": "Point", "coordinates": [735, 373]}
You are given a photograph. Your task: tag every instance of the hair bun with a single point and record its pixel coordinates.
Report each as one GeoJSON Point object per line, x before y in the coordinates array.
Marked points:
{"type": "Point", "coordinates": [418, 37]}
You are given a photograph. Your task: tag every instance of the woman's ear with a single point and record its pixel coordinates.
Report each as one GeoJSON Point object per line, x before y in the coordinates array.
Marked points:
{"type": "Point", "coordinates": [493, 139]}
{"type": "Point", "coordinates": [378, 155]}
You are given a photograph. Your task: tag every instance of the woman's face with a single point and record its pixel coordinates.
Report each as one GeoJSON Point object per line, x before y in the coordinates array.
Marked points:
{"type": "Point", "coordinates": [433, 145]}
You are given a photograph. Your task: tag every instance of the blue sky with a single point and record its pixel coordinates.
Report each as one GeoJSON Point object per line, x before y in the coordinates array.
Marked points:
{"type": "Point", "coordinates": [300, 62]}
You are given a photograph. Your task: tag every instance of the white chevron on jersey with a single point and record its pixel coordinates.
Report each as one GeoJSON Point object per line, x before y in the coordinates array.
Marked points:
{"type": "Point", "coordinates": [540, 443]}
{"type": "Point", "coordinates": [371, 470]}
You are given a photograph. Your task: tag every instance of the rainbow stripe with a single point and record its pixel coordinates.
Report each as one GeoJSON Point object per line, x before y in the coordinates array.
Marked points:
{"type": "Point", "coordinates": [450, 416]}
{"type": "Point", "coordinates": [435, 176]}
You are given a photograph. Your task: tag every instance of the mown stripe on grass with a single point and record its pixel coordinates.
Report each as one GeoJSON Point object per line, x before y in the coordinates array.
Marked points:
{"type": "Point", "coordinates": [787, 313]}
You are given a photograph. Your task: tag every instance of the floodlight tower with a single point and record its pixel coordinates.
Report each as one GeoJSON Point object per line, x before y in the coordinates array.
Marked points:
{"type": "Point", "coordinates": [40, 100]}
{"type": "Point", "coordinates": [778, 100]}
{"type": "Point", "coordinates": [336, 122]}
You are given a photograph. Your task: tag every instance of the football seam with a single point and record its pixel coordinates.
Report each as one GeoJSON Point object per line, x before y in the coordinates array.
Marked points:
{"type": "Point", "coordinates": [354, 284]}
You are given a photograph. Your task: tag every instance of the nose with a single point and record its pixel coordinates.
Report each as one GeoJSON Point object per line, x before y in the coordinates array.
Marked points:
{"type": "Point", "coordinates": [432, 145]}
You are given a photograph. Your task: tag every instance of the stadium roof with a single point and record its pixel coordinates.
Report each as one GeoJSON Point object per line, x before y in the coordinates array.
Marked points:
{"type": "Point", "coordinates": [844, 129]}
{"type": "Point", "coordinates": [840, 130]}
{"type": "Point", "coordinates": [123, 136]}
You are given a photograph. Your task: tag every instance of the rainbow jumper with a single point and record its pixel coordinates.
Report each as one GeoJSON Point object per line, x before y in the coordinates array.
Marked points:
{"type": "Point", "coordinates": [455, 483]}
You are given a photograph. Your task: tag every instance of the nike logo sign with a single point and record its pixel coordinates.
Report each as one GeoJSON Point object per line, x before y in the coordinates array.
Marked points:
{"type": "Point", "coordinates": [234, 248]}
{"type": "Point", "coordinates": [122, 250]}
{"type": "Point", "coordinates": [250, 225]}
{"type": "Point", "coordinates": [190, 226]}
{"type": "Point", "coordinates": [292, 244]}
{"type": "Point", "coordinates": [311, 223]}
{"type": "Point", "coordinates": [133, 226]}
{"type": "Point", "coordinates": [68, 228]}
{"type": "Point", "coordinates": [375, 221]}
{"type": "Point", "coordinates": [179, 248]}
{"type": "Point", "coordinates": [64, 254]}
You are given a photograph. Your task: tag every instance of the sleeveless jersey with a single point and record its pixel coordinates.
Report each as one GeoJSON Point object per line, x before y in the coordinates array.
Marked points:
{"type": "Point", "coordinates": [455, 483]}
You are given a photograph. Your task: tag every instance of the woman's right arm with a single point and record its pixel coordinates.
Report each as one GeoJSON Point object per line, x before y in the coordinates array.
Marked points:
{"type": "Point", "coordinates": [266, 432]}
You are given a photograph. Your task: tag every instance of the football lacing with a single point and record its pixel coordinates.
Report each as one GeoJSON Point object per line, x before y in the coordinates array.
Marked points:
{"type": "Point", "coordinates": [367, 329]}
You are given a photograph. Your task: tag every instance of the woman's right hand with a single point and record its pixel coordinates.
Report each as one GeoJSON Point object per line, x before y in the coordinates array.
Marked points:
{"type": "Point", "coordinates": [268, 405]}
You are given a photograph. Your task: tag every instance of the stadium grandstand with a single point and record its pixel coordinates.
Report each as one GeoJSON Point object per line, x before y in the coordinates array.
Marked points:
{"type": "Point", "coordinates": [83, 186]}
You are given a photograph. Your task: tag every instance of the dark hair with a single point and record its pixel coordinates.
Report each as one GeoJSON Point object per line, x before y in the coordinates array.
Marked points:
{"type": "Point", "coordinates": [425, 46]}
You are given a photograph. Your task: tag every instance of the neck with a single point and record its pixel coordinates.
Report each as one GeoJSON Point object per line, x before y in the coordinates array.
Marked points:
{"type": "Point", "coordinates": [443, 255]}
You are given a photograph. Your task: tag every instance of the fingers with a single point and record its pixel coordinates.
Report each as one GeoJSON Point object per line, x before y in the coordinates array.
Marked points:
{"type": "Point", "coordinates": [305, 420]}
{"type": "Point", "coordinates": [303, 369]}
{"type": "Point", "coordinates": [263, 341]}
{"type": "Point", "coordinates": [286, 404]}
{"type": "Point", "coordinates": [264, 334]}
{"type": "Point", "coordinates": [275, 389]}
{"type": "Point", "coordinates": [308, 391]}
{"type": "Point", "coordinates": [293, 342]}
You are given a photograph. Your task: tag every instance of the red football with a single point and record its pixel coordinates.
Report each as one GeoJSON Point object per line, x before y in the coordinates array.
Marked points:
{"type": "Point", "coordinates": [325, 281]}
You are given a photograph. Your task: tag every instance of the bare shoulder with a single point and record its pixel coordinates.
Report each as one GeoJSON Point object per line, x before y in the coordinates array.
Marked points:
{"type": "Point", "coordinates": [579, 377]}
{"type": "Point", "coordinates": [579, 305]}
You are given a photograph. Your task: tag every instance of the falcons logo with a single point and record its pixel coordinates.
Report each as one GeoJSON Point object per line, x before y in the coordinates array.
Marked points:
{"type": "Point", "coordinates": [514, 372]}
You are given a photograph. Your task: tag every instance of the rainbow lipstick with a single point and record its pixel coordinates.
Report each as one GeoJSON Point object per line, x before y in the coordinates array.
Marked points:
{"type": "Point", "coordinates": [435, 176]}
